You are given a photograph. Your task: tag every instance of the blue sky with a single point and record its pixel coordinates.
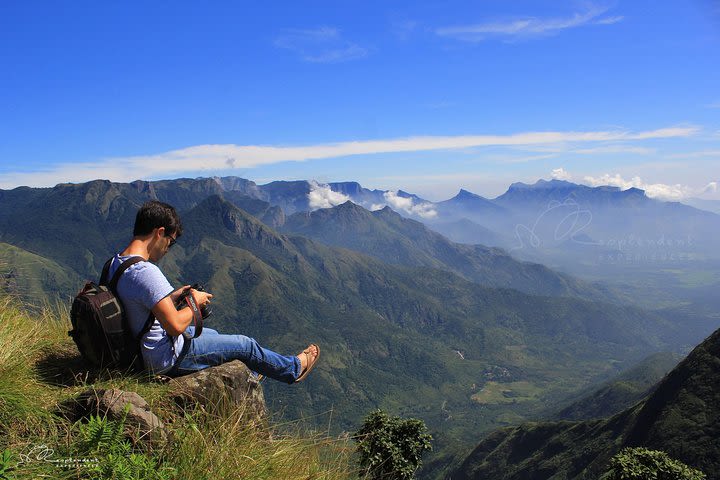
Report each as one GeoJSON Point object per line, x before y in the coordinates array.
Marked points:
{"type": "Point", "coordinates": [427, 97]}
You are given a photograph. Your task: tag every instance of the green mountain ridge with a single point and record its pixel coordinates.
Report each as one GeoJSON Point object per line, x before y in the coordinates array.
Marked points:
{"type": "Point", "coordinates": [678, 417]}
{"type": "Point", "coordinates": [395, 239]}
{"type": "Point", "coordinates": [623, 391]}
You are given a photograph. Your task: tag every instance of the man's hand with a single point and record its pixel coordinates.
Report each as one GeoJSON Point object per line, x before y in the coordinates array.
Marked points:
{"type": "Point", "coordinates": [176, 294]}
{"type": "Point", "coordinates": [201, 298]}
{"type": "Point", "coordinates": [175, 321]}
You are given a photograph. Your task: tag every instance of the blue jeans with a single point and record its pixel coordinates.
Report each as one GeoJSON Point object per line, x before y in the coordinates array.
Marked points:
{"type": "Point", "coordinates": [212, 348]}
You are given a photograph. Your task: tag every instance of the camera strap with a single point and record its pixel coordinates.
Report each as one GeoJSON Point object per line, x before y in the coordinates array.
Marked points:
{"type": "Point", "coordinates": [197, 315]}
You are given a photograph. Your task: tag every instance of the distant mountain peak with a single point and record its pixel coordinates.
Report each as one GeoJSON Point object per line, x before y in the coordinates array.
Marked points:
{"type": "Point", "coordinates": [634, 191]}
{"type": "Point", "coordinates": [468, 200]}
{"type": "Point", "coordinates": [350, 188]}
{"type": "Point", "coordinates": [519, 194]}
{"type": "Point", "coordinates": [466, 195]}
{"type": "Point", "coordinates": [349, 206]}
{"type": "Point", "coordinates": [404, 194]}
{"type": "Point", "coordinates": [346, 211]}
{"type": "Point", "coordinates": [386, 211]}
{"type": "Point", "coordinates": [543, 184]}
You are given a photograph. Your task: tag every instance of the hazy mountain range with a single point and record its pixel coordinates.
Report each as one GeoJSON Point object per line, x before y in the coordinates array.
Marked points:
{"type": "Point", "coordinates": [466, 337]}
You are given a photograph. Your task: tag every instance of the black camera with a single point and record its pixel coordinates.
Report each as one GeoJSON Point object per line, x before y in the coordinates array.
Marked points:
{"type": "Point", "coordinates": [205, 310]}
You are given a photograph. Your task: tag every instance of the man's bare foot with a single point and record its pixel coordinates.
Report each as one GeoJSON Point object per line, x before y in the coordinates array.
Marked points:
{"type": "Point", "coordinates": [308, 358]}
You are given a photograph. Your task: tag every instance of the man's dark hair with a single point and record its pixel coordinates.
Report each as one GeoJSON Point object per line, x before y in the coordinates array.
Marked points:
{"type": "Point", "coordinates": [155, 214]}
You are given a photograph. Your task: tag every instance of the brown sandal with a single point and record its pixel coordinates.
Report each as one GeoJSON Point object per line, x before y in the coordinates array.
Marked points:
{"type": "Point", "coordinates": [310, 361]}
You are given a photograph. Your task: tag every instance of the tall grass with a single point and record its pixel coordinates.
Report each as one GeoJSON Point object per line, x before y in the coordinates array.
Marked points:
{"type": "Point", "coordinates": [205, 442]}
{"type": "Point", "coordinates": [234, 448]}
{"type": "Point", "coordinates": [19, 346]}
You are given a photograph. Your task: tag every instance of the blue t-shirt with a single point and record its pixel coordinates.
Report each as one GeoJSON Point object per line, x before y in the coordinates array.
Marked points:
{"type": "Point", "coordinates": [140, 288]}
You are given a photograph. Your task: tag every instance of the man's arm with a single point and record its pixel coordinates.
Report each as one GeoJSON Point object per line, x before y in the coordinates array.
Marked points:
{"type": "Point", "coordinates": [175, 321]}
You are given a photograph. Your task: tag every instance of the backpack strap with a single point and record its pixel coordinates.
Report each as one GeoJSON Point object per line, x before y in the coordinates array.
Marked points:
{"type": "Point", "coordinates": [116, 276]}
{"type": "Point", "coordinates": [105, 270]}
{"type": "Point", "coordinates": [113, 286]}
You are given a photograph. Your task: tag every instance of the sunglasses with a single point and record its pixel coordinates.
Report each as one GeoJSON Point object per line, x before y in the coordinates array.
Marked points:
{"type": "Point", "coordinates": [172, 241]}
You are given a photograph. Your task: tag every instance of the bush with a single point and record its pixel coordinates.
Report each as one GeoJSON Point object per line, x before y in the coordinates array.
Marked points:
{"type": "Point", "coordinates": [643, 464]}
{"type": "Point", "coordinates": [390, 448]}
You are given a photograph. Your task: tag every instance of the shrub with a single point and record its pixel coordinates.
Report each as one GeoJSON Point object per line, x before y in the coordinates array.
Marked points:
{"type": "Point", "coordinates": [643, 464]}
{"type": "Point", "coordinates": [390, 448]}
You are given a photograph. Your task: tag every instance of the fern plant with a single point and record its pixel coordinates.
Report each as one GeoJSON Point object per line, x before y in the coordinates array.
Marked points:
{"type": "Point", "coordinates": [105, 440]}
{"type": "Point", "coordinates": [102, 435]}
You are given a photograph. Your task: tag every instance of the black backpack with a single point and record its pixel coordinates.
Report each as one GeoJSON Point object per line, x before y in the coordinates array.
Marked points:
{"type": "Point", "coordinates": [100, 327]}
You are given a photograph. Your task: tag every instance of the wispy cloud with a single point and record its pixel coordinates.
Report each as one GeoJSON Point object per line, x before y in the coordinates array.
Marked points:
{"type": "Point", "coordinates": [713, 105]}
{"type": "Point", "coordinates": [611, 149]}
{"type": "Point", "coordinates": [610, 20]}
{"type": "Point", "coordinates": [527, 26]}
{"type": "Point", "coordinates": [654, 190]}
{"type": "Point", "coordinates": [321, 45]}
{"type": "Point", "coordinates": [214, 158]}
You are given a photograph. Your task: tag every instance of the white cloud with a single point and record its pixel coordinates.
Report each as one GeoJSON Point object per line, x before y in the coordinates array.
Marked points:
{"type": "Point", "coordinates": [655, 190]}
{"type": "Point", "coordinates": [408, 205]}
{"type": "Point", "coordinates": [610, 149]}
{"type": "Point", "coordinates": [526, 27]}
{"type": "Point", "coordinates": [560, 174]}
{"type": "Point", "coordinates": [610, 20]}
{"type": "Point", "coordinates": [322, 196]}
{"type": "Point", "coordinates": [214, 158]}
{"type": "Point", "coordinates": [711, 187]}
{"type": "Point", "coordinates": [713, 105]}
{"type": "Point", "coordinates": [321, 45]}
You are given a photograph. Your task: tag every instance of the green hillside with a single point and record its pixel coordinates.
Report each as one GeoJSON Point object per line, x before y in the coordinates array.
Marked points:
{"type": "Point", "coordinates": [623, 391]}
{"type": "Point", "coordinates": [36, 280]}
{"type": "Point", "coordinates": [679, 417]}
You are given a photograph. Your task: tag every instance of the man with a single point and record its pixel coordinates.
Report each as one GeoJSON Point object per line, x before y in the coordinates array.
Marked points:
{"type": "Point", "coordinates": [143, 289]}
